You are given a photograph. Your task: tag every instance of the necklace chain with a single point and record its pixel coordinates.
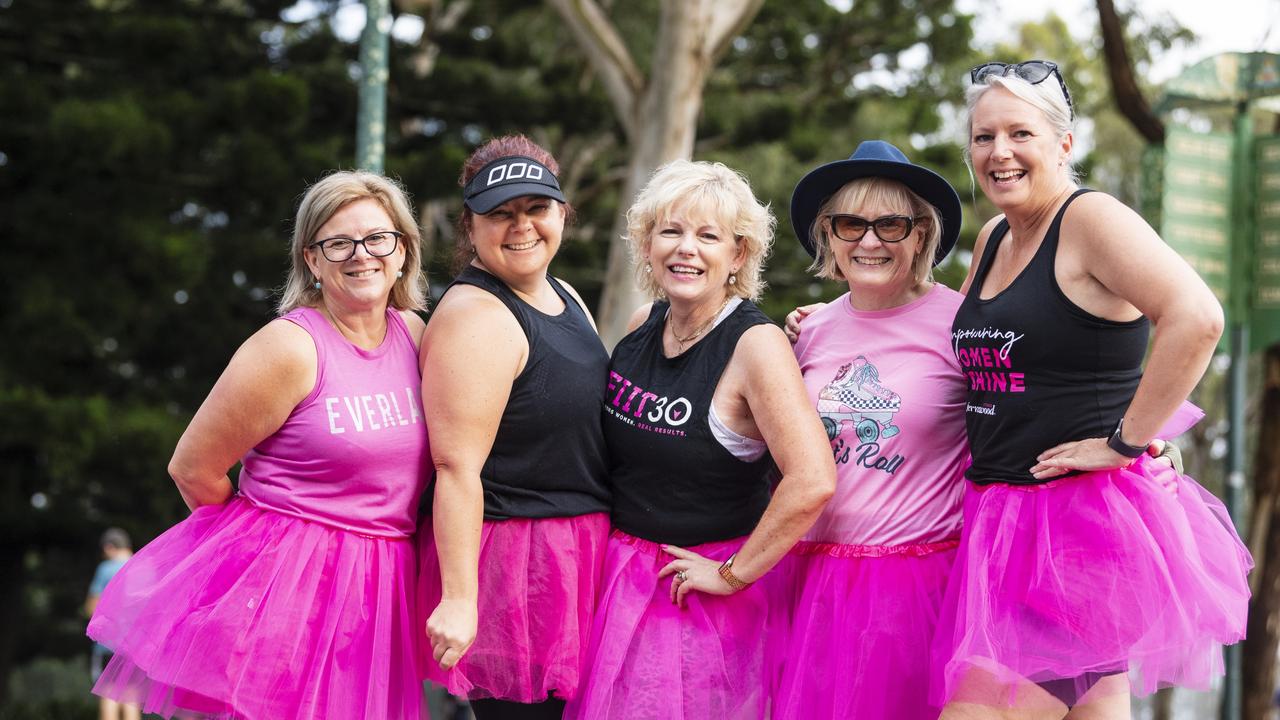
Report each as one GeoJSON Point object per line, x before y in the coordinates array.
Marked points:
{"type": "Point", "coordinates": [705, 326]}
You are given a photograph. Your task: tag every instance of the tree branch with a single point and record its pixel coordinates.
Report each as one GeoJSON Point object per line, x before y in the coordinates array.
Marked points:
{"type": "Point", "coordinates": [606, 52]}
{"type": "Point", "coordinates": [728, 20]}
{"type": "Point", "coordinates": [1124, 85]}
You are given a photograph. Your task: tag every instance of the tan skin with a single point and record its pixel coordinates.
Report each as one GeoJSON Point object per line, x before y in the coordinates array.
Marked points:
{"type": "Point", "coordinates": [275, 369]}
{"type": "Point", "coordinates": [760, 395]}
{"type": "Point", "coordinates": [473, 350]}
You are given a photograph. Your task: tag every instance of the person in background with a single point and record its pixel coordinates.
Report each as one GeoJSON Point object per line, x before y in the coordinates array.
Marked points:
{"type": "Point", "coordinates": [1080, 576]}
{"type": "Point", "coordinates": [116, 551]}
{"type": "Point", "coordinates": [861, 593]}
{"type": "Point", "coordinates": [292, 596]}
{"type": "Point", "coordinates": [703, 400]}
{"type": "Point", "coordinates": [513, 375]}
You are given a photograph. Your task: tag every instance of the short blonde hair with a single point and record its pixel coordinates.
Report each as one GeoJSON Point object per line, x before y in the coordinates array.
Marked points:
{"type": "Point", "coordinates": [1044, 96]}
{"type": "Point", "coordinates": [321, 202]}
{"type": "Point", "coordinates": [885, 193]}
{"type": "Point", "coordinates": [716, 189]}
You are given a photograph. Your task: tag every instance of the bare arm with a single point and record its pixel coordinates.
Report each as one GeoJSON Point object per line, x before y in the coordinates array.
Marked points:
{"type": "Point", "coordinates": [266, 379]}
{"type": "Point", "coordinates": [1136, 269]}
{"type": "Point", "coordinates": [471, 352]}
{"type": "Point", "coordinates": [764, 371]}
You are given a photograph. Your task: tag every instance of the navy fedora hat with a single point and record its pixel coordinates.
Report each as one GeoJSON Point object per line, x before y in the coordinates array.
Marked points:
{"type": "Point", "coordinates": [874, 158]}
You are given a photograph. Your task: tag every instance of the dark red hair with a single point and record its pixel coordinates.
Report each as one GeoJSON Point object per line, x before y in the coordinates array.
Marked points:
{"type": "Point", "coordinates": [497, 148]}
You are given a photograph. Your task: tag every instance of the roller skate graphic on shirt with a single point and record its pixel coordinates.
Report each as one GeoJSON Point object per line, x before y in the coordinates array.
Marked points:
{"type": "Point", "coordinates": [855, 397]}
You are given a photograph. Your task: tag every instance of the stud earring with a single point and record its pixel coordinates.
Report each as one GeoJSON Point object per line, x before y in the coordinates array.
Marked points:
{"type": "Point", "coordinates": [399, 273]}
{"type": "Point", "coordinates": [317, 284]}
{"type": "Point", "coordinates": [733, 279]}
{"type": "Point", "coordinates": [647, 268]}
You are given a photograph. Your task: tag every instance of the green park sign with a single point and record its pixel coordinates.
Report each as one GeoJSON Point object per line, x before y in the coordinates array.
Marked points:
{"type": "Point", "coordinates": [1220, 192]}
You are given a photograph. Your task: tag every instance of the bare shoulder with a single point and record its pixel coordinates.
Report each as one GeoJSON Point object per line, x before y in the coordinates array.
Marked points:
{"type": "Point", "coordinates": [281, 343]}
{"type": "Point", "coordinates": [278, 361]}
{"type": "Point", "coordinates": [468, 305]}
{"type": "Point", "coordinates": [416, 325]}
{"type": "Point", "coordinates": [1096, 219]}
{"type": "Point", "coordinates": [639, 316]}
{"type": "Point", "coordinates": [471, 333]}
{"type": "Point", "coordinates": [763, 347]}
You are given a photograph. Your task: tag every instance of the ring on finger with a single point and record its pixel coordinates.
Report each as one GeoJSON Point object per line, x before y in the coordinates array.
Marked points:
{"type": "Point", "coordinates": [682, 576]}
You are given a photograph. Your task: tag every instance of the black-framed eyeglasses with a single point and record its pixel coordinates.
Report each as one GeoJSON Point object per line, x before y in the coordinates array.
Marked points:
{"type": "Point", "coordinates": [340, 249]}
{"type": "Point", "coordinates": [1033, 71]}
{"type": "Point", "coordinates": [889, 228]}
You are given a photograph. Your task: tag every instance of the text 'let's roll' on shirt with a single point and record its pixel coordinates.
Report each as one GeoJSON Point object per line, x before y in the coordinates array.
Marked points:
{"type": "Point", "coordinates": [891, 397]}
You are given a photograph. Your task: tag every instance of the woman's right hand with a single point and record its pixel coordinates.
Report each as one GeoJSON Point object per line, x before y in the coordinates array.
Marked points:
{"type": "Point", "coordinates": [794, 318]}
{"type": "Point", "coordinates": [451, 630]}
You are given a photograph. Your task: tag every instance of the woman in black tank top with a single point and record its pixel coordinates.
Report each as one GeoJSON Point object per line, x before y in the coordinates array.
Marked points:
{"type": "Point", "coordinates": [510, 558]}
{"type": "Point", "coordinates": [695, 392]}
{"type": "Point", "coordinates": [1082, 562]}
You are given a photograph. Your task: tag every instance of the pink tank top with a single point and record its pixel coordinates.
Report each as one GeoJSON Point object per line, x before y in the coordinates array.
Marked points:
{"type": "Point", "coordinates": [892, 397]}
{"type": "Point", "coordinates": [354, 453]}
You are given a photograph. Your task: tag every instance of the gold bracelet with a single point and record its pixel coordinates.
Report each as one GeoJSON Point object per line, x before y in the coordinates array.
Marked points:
{"type": "Point", "coordinates": [726, 573]}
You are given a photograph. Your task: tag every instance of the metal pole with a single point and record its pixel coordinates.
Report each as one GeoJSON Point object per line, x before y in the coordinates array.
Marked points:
{"type": "Point", "coordinates": [1241, 301]}
{"type": "Point", "coordinates": [371, 117]}
{"type": "Point", "coordinates": [1234, 500]}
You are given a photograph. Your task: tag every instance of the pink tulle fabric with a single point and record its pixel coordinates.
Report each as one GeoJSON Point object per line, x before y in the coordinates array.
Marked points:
{"type": "Point", "coordinates": [650, 659]}
{"type": "Point", "coordinates": [539, 583]}
{"type": "Point", "coordinates": [857, 643]}
{"type": "Point", "coordinates": [241, 612]}
{"type": "Point", "coordinates": [1135, 569]}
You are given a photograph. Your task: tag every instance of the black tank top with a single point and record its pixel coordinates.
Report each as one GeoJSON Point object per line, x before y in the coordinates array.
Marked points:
{"type": "Point", "coordinates": [548, 458]}
{"type": "Point", "coordinates": [1041, 370]}
{"type": "Point", "coordinates": [672, 480]}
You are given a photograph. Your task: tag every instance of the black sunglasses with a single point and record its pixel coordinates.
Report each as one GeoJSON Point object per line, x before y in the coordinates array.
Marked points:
{"type": "Point", "coordinates": [1033, 71]}
{"type": "Point", "coordinates": [889, 228]}
{"type": "Point", "coordinates": [341, 249]}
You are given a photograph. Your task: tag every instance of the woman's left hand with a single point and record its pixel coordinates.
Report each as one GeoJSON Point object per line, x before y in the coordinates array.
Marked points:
{"type": "Point", "coordinates": [1086, 455]}
{"type": "Point", "coordinates": [690, 571]}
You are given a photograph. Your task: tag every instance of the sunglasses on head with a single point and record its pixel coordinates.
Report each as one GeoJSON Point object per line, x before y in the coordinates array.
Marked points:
{"type": "Point", "coordinates": [1033, 71]}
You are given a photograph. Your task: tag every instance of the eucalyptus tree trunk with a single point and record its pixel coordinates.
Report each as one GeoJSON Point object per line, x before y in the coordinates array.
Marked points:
{"type": "Point", "coordinates": [1258, 665]}
{"type": "Point", "coordinates": [658, 111]}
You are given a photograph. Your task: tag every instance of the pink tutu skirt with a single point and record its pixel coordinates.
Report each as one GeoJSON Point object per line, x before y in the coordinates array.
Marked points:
{"type": "Point", "coordinates": [1135, 570]}
{"type": "Point", "coordinates": [652, 660]}
{"type": "Point", "coordinates": [539, 582]}
{"type": "Point", "coordinates": [241, 612]}
{"type": "Point", "coordinates": [861, 620]}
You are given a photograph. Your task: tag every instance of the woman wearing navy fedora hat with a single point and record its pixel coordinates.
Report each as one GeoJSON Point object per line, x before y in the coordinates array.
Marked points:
{"type": "Point", "coordinates": [863, 589]}
{"type": "Point", "coordinates": [1084, 570]}
{"type": "Point", "coordinates": [510, 559]}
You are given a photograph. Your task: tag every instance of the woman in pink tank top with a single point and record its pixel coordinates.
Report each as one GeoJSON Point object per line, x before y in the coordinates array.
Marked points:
{"type": "Point", "coordinates": [291, 596]}
{"type": "Point", "coordinates": [864, 587]}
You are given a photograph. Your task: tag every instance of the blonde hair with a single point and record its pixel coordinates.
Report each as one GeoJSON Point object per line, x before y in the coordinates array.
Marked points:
{"type": "Point", "coordinates": [716, 189]}
{"type": "Point", "coordinates": [321, 202]}
{"type": "Point", "coordinates": [1045, 96]}
{"type": "Point", "coordinates": [882, 192]}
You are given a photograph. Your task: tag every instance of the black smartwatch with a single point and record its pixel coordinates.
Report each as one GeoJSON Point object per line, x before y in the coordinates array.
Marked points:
{"type": "Point", "coordinates": [1115, 442]}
